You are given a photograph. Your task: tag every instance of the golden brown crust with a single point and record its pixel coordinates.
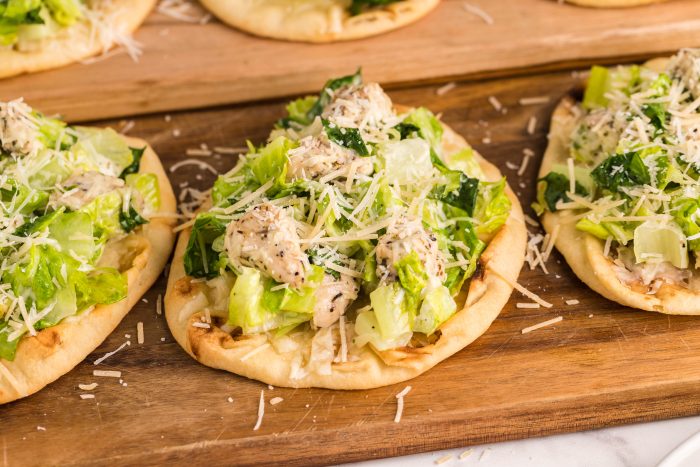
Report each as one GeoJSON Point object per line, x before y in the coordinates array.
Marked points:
{"type": "Point", "coordinates": [314, 20]}
{"type": "Point", "coordinates": [487, 295]}
{"type": "Point", "coordinates": [74, 43]}
{"type": "Point", "coordinates": [54, 351]}
{"type": "Point", "coordinates": [613, 3]}
{"type": "Point", "coordinates": [584, 252]}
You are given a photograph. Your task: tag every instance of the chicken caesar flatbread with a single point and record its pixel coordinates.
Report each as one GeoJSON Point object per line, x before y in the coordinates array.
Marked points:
{"type": "Point", "coordinates": [86, 220]}
{"type": "Point", "coordinates": [37, 35]}
{"type": "Point", "coordinates": [319, 20]}
{"type": "Point", "coordinates": [613, 3]}
{"type": "Point", "coordinates": [359, 247]}
{"type": "Point", "coordinates": [619, 186]}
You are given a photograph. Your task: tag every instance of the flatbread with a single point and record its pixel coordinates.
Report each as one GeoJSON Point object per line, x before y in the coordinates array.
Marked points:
{"type": "Point", "coordinates": [613, 3]}
{"type": "Point", "coordinates": [75, 42]}
{"type": "Point", "coordinates": [487, 295]}
{"type": "Point", "coordinates": [316, 20]}
{"type": "Point", "coordinates": [54, 351]}
{"type": "Point", "coordinates": [584, 252]}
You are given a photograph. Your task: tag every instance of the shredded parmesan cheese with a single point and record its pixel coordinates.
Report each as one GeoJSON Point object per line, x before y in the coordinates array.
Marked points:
{"type": "Point", "coordinates": [139, 332]}
{"type": "Point", "coordinates": [443, 459]}
{"type": "Point", "coordinates": [201, 164]}
{"type": "Point", "coordinates": [495, 103]}
{"type": "Point", "coordinates": [107, 373]}
{"type": "Point", "coordinates": [399, 403]}
{"type": "Point", "coordinates": [466, 454]}
{"type": "Point", "coordinates": [255, 351]}
{"type": "Point", "coordinates": [87, 396]}
{"type": "Point", "coordinates": [531, 125]}
{"type": "Point", "coordinates": [87, 387]}
{"type": "Point", "coordinates": [276, 400]}
{"type": "Point", "coordinates": [109, 354]}
{"type": "Point", "coordinates": [476, 11]}
{"type": "Point", "coordinates": [533, 100]}
{"type": "Point", "coordinates": [542, 324]}
{"type": "Point", "coordinates": [527, 305]}
{"type": "Point", "coordinates": [534, 297]}
{"type": "Point", "coordinates": [572, 302]}
{"type": "Point", "coordinates": [261, 411]}
{"type": "Point", "coordinates": [442, 90]}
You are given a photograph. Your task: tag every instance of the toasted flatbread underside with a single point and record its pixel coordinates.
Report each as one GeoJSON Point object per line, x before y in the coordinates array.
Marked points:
{"type": "Point", "coordinates": [613, 3]}
{"type": "Point", "coordinates": [316, 20]}
{"type": "Point", "coordinates": [76, 42]}
{"type": "Point", "coordinates": [584, 252]}
{"type": "Point", "coordinates": [249, 356]}
{"type": "Point", "coordinates": [141, 256]}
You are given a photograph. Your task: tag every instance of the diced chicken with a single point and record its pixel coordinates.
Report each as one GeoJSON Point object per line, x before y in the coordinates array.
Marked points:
{"type": "Point", "coordinates": [685, 65]}
{"type": "Point", "coordinates": [317, 156]}
{"type": "Point", "coordinates": [650, 275]}
{"type": "Point", "coordinates": [266, 238]}
{"type": "Point", "coordinates": [18, 133]}
{"type": "Point", "coordinates": [332, 299]}
{"type": "Point", "coordinates": [360, 107]}
{"type": "Point", "coordinates": [81, 189]}
{"type": "Point", "coordinates": [402, 238]}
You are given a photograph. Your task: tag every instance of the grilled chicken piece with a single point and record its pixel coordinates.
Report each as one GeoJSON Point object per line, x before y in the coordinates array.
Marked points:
{"type": "Point", "coordinates": [82, 189]}
{"type": "Point", "coordinates": [332, 299]}
{"type": "Point", "coordinates": [317, 156]}
{"type": "Point", "coordinates": [18, 133]}
{"type": "Point", "coordinates": [402, 238]}
{"type": "Point", "coordinates": [266, 238]}
{"type": "Point", "coordinates": [360, 107]}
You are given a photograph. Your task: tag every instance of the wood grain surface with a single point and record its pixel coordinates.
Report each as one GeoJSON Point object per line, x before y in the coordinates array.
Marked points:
{"type": "Point", "coordinates": [602, 365]}
{"type": "Point", "coordinates": [188, 65]}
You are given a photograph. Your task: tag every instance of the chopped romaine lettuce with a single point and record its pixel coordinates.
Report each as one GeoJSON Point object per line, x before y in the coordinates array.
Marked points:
{"type": "Point", "coordinates": [655, 242]}
{"type": "Point", "coordinates": [438, 305]}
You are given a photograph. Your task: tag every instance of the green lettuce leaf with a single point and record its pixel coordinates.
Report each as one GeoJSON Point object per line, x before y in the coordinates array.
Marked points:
{"type": "Point", "coordinates": [200, 259]}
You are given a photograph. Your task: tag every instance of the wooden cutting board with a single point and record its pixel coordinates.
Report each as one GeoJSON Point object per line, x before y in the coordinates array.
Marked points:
{"type": "Point", "coordinates": [188, 66]}
{"type": "Point", "coordinates": [602, 365]}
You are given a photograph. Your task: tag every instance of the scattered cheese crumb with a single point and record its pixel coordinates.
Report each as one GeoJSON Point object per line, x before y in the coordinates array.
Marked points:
{"type": "Point", "coordinates": [527, 305]}
{"type": "Point", "coordinates": [109, 354]}
{"type": "Point", "coordinates": [542, 324]}
{"type": "Point", "coordinates": [534, 100]}
{"type": "Point", "coordinates": [495, 103]}
{"type": "Point", "coordinates": [275, 400]}
{"type": "Point", "coordinates": [87, 396]}
{"type": "Point", "coordinates": [442, 90]}
{"type": "Point", "coordinates": [476, 11]}
{"type": "Point", "coordinates": [270, 387]}
{"type": "Point", "coordinates": [40, 428]}
{"type": "Point", "coordinates": [198, 324]}
{"type": "Point", "coordinates": [531, 295]}
{"type": "Point", "coordinates": [261, 411]}
{"type": "Point", "coordinates": [107, 373]}
{"type": "Point", "coordinates": [255, 351]}
{"type": "Point", "coordinates": [176, 133]}
{"type": "Point", "coordinates": [466, 454]}
{"type": "Point", "coordinates": [139, 332]}
{"type": "Point", "coordinates": [443, 459]}
{"type": "Point", "coordinates": [591, 315]}
{"type": "Point", "coordinates": [399, 403]}
{"type": "Point", "coordinates": [198, 152]}
{"type": "Point", "coordinates": [230, 399]}
{"type": "Point", "coordinates": [127, 127]}
{"type": "Point", "coordinates": [87, 387]}
{"type": "Point", "coordinates": [572, 302]}
{"type": "Point", "coordinates": [159, 304]}
{"type": "Point", "coordinates": [531, 125]}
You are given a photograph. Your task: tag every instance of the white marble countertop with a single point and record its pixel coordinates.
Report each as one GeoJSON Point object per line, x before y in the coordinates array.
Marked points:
{"type": "Point", "coordinates": [640, 445]}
